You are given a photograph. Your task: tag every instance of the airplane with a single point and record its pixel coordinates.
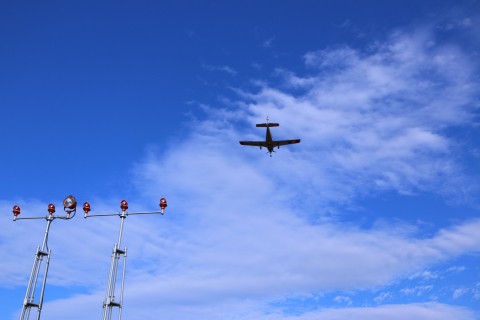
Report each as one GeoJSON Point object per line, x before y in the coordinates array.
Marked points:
{"type": "Point", "coordinates": [269, 143]}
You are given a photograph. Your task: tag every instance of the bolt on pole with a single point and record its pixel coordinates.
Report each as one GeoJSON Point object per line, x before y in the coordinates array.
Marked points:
{"type": "Point", "coordinates": [111, 301]}
{"type": "Point", "coordinates": [69, 206]}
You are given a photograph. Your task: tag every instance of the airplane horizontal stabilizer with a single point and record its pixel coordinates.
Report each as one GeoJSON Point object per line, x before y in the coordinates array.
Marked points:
{"type": "Point", "coordinates": [254, 143]}
{"type": "Point", "coordinates": [267, 125]}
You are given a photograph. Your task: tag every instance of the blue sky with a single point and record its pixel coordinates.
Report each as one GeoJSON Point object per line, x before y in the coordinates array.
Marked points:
{"type": "Point", "coordinates": [374, 215]}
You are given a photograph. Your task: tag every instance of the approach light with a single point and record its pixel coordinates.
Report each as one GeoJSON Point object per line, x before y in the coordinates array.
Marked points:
{"type": "Point", "coordinates": [163, 204]}
{"type": "Point", "coordinates": [86, 208]}
{"type": "Point", "coordinates": [124, 205]}
{"type": "Point", "coordinates": [16, 212]}
{"type": "Point", "coordinates": [70, 204]}
{"type": "Point", "coordinates": [51, 208]}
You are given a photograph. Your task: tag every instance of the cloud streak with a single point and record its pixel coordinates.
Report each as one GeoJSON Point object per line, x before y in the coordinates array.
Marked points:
{"type": "Point", "coordinates": [376, 120]}
{"type": "Point", "coordinates": [243, 230]}
{"type": "Point", "coordinates": [370, 122]}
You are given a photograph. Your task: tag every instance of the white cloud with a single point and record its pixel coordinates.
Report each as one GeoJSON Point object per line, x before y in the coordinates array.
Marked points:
{"type": "Point", "coordinates": [417, 290]}
{"type": "Point", "coordinates": [457, 293]}
{"type": "Point", "coordinates": [425, 311]}
{"type": "Point", "coordinates": [243, 229]}
{"type": "Point", "coordinates": [221, 68]}
{"type": "Point", "coordinates": [249, 310]}
{"type": "Point", "coordinates": [382, 297]}
{"type": "Point", "coordinates": [239, 236]}
{"type": "Point", "coordinates": [456, 269]}
{"type": "Point", "coordinates": [476, 291]}
{"type": "Point", "coordinates": [345, 300]}
{"type": "Point", "coordinates": [268, 42]}
{"type": "Point", "coordinates": [368, 122]}
{"type": "Point", "coordinates": [372, 120]}
{"type": "Point", "coordinates": [425, 275]}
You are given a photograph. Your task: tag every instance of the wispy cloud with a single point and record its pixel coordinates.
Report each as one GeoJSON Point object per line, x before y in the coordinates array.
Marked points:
{"type": "Point", "coordinates": [220, 68]}
{"type": "Point", "coordinates": [417, 290]}
{"type": "Point", "coordinates": [457, 293]}
{"type": "Point", "coordinates": [428, 311]}
{"type": "Point", "coordinates": [243, 229]}
{"type": "Point", "coordinates": [378, 119]}
{"type": "Point", "coordinates": [345, 300]}
{"type": "Point", "coordinates": [268, 42]}
{"type": "Point", "coordinates": [382, 297]}
{"type": "Point", "coordinates": [370, 122]}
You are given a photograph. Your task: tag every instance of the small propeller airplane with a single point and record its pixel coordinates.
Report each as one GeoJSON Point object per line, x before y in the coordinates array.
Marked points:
{"type": "Point", "coordinates": [269, 143]}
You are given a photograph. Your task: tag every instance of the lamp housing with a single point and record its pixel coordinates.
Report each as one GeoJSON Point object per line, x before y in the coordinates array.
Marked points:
{"type": "Point", "coordinates": [163, 204]}
{"type": "Point", "coordinates": [124, 205]}
{"type": "Point", "coordinates": [86, 208]}
{"type": "Point", "coordinates": [16, 212]}
{"type": "Point", "coordinates": [70, 204]}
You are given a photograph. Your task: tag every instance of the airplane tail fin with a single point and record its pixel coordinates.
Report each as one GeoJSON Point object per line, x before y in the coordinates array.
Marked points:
{"type": "Point", "coordinates": [266, 125]}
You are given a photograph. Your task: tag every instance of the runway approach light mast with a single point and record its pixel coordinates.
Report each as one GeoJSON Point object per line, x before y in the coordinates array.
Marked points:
{"type": "Point", "coordinates": [110, 299]}
{"type": "Point", "coordinates": [69, 206]}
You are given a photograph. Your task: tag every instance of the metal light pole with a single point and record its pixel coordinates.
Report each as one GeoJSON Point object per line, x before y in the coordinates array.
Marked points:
{"type": "Point", "coordinates": [110, 302]}
{"type": "Point", "coordinates": [69, 205]}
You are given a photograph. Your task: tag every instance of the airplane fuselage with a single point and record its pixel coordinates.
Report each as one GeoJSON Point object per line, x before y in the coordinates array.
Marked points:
{"type": "Point", "coordinates": [269, 140]}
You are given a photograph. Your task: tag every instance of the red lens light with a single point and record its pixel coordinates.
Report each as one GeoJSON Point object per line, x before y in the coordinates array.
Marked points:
{"type": "Point", "coordinates": [86, 207]}
{"type": "Point", "coordinates": [16, 210]}
{"type": "Point", "coordinates": [51, 208]}
{"type": "Point", "coordinates": [163, 203]}
{"type": "Point", "coordinates": [124, 205]}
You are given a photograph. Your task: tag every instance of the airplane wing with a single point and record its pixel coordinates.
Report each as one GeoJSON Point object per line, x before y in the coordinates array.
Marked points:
{"type": "Point", "coordinates": [254, 143]}
{"type": "Point", "coordinates": [278, 143]}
